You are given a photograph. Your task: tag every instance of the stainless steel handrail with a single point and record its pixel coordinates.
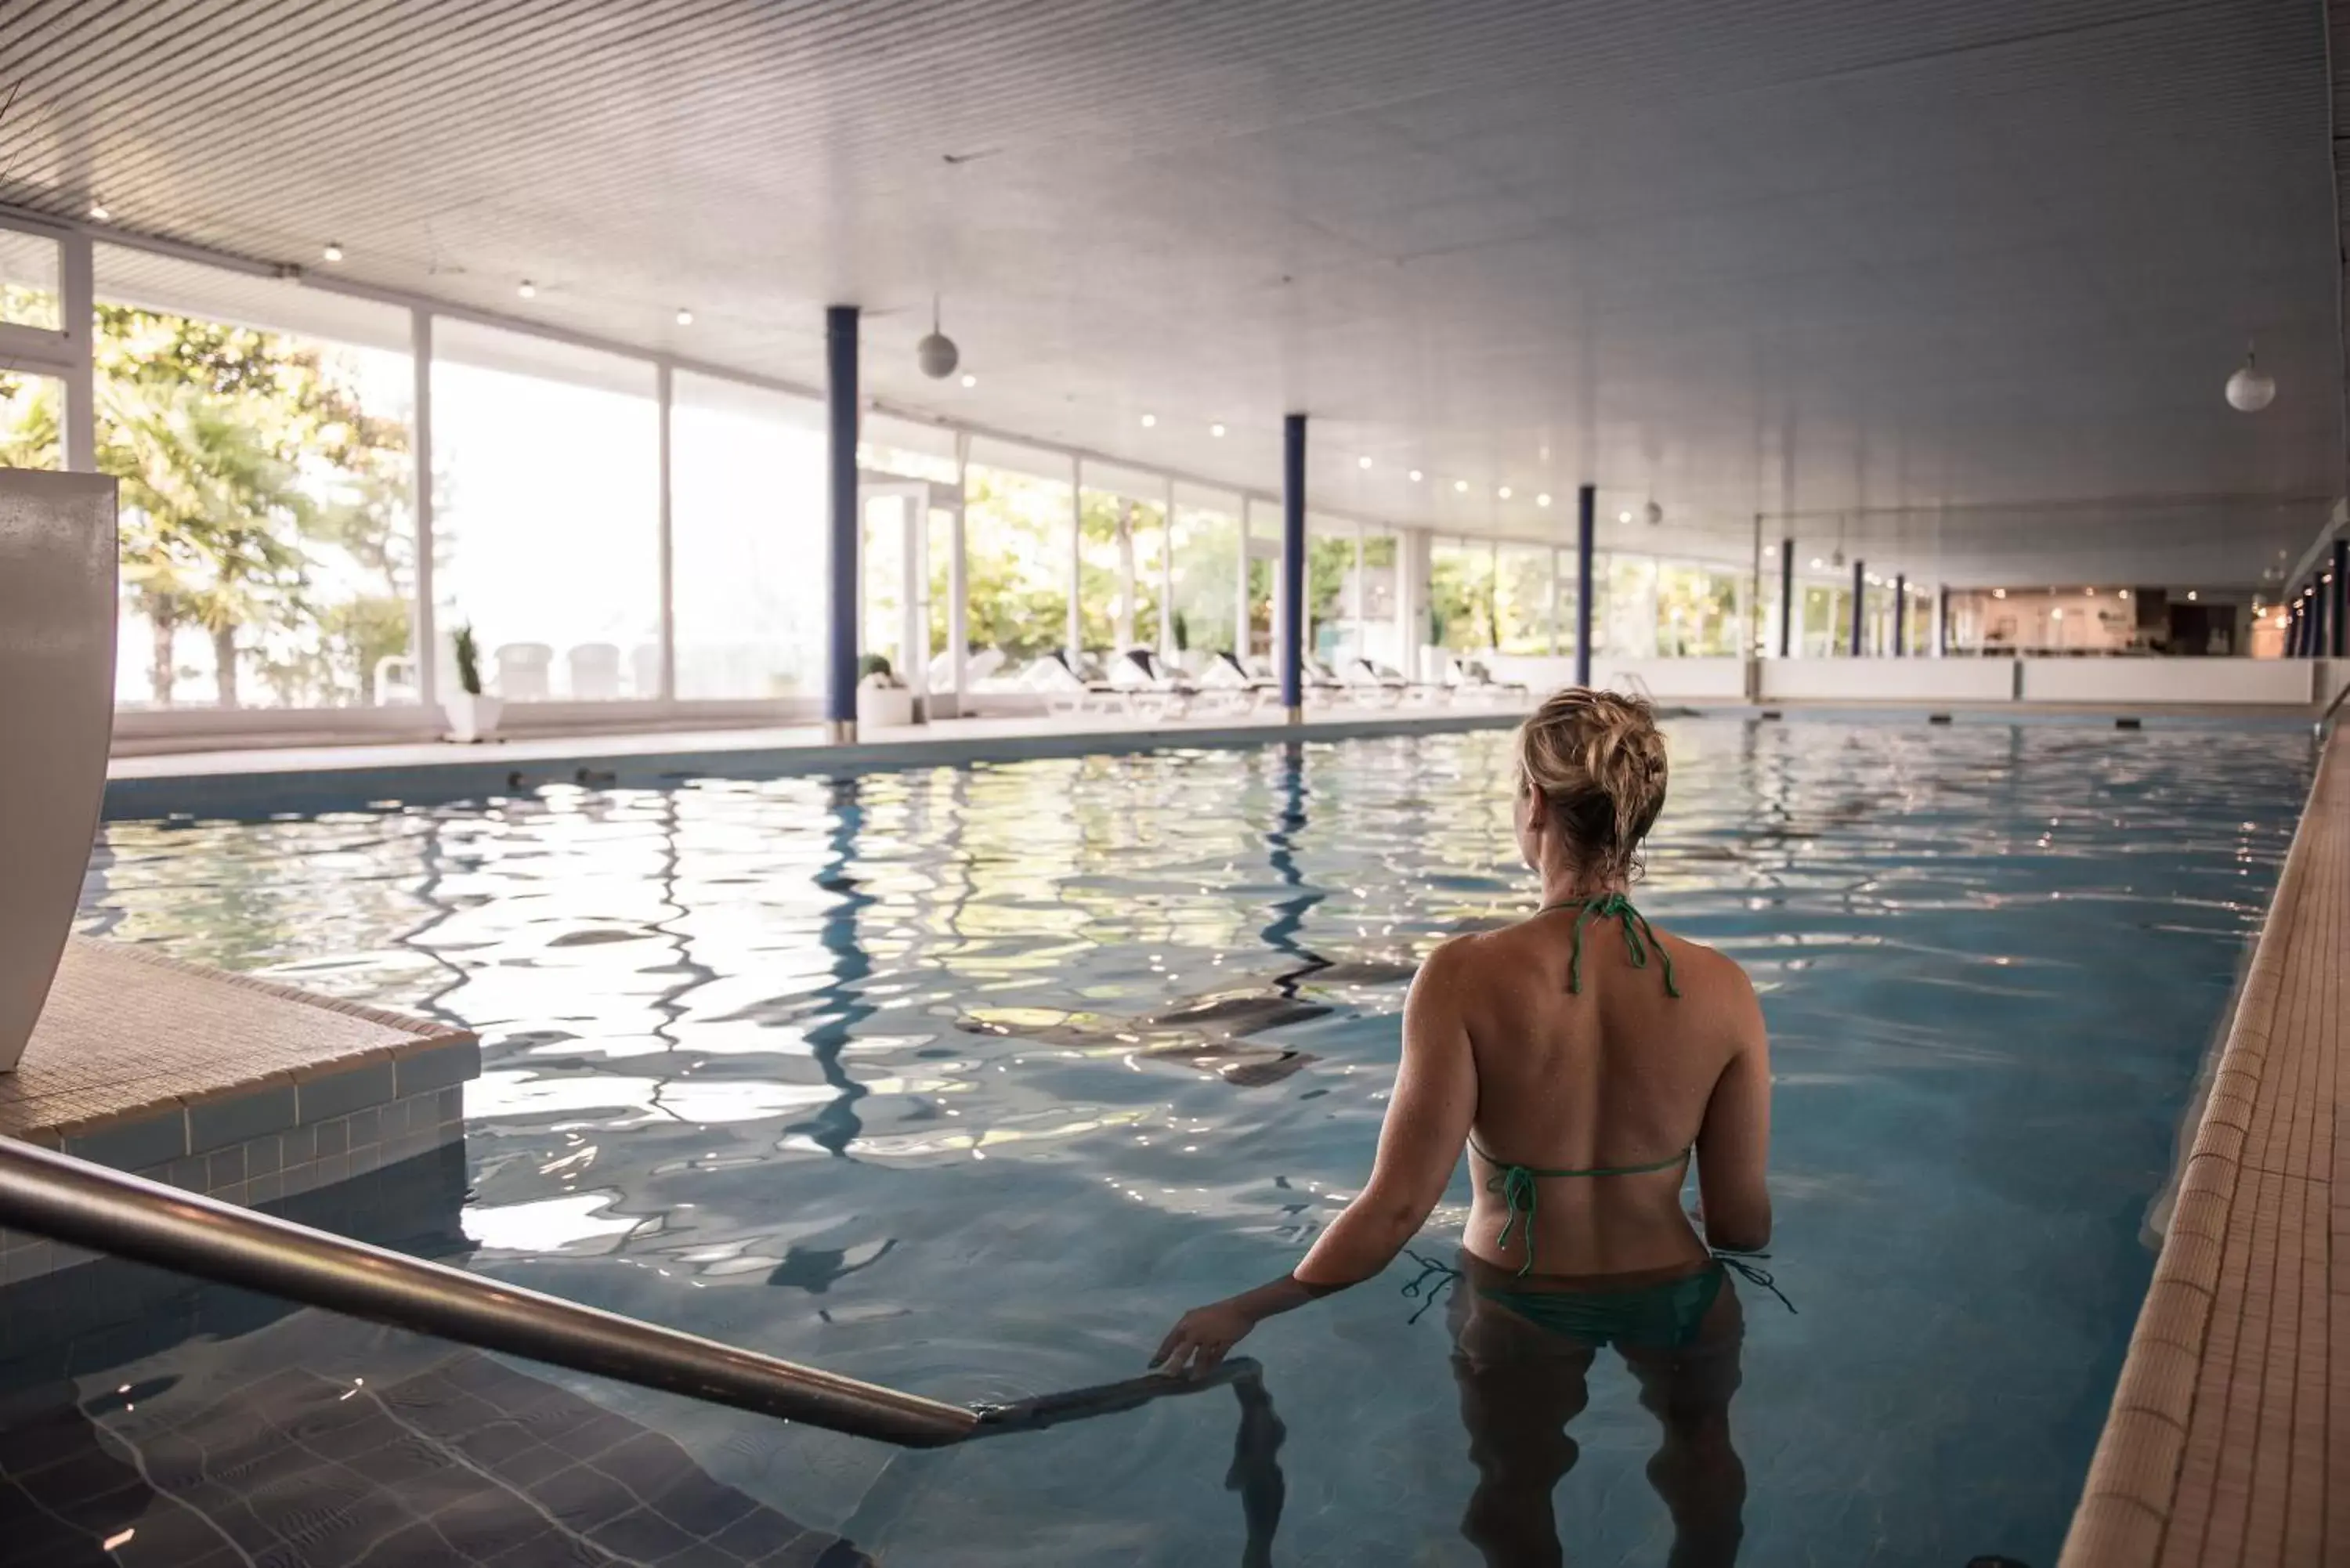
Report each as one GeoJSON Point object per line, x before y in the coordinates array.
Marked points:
{"type": "Point", "coordinates": [91, 1206]}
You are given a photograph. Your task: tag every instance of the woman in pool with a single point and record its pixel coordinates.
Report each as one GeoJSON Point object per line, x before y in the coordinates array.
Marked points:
{"type": "Point", "coordinates": [1582, 1058]}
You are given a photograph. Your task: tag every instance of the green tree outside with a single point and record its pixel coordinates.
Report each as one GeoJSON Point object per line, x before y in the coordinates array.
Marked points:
{"type": "Point", "coordinates": [246, 461]}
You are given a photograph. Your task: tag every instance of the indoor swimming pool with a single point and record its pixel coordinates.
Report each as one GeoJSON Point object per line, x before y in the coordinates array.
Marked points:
{"type": "Point", "coordinates": [968, 1080]}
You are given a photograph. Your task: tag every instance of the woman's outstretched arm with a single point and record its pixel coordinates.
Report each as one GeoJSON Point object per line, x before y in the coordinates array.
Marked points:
{"type": "Point", "coordinates": [1427, 1124]}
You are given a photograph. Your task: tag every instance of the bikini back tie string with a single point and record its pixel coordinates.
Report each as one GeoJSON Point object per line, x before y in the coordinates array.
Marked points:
{"type": "Point", "coordinates": [1639, 937]}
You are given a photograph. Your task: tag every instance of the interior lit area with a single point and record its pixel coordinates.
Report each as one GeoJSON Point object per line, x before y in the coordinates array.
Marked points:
{"type": "Point", "coordinates": [1074, 784]}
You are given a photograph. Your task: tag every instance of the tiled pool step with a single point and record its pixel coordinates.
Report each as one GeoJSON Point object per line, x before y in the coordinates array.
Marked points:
{"type": "Point", "coordinates": [2229, 1440]}
{"type": "Point", "coordinates": [225, 1084]}
{"type": "Point", "coordinates": [455, 1459]}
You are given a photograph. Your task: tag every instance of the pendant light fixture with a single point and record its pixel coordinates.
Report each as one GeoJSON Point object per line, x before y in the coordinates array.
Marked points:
{"type": "Point", "coordinates": [936, 354]}
{"type": "Point", "coordinates": [2251, 389]}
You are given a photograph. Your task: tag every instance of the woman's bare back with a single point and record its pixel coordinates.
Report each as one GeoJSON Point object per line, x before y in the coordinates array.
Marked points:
{"type": "Point", "coordinates": [1619, 1075]}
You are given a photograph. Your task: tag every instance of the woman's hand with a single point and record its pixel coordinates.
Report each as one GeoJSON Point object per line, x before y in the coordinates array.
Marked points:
{"type": "Point", "coordinates": [1201, 1336]}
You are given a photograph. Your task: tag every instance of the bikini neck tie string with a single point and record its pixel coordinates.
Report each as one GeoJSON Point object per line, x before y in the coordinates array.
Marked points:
{"type": "Point", "coordinates": [1639, 937]}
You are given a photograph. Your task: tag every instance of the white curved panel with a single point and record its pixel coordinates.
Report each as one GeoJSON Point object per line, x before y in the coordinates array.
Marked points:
{"type": "Point", "coordinates": [56, 712]}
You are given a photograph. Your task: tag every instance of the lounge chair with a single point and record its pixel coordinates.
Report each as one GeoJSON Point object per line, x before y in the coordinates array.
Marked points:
{"type": "Point", "coordinates": [977, 666]}
{"type": "Point", "coordinates": [1365, 676]}
{"type": "Point", "coordinates": [1471, 680]}
{"type": "Point", "coordinates": [521, 669]}
{"type": "Point", "coordinates": [1149, 686]}
{"type": "Point", "coordinates": [1066, 692]}
{"type": "Point", "coordinates": [1226, 682]}
{"type": "Point", "coordinates": [1315, 684]}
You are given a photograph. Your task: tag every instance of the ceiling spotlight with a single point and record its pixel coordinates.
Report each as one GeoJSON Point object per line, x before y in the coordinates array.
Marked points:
{"type": "Point", "coordinates": [1362, 462]}
{"type": "Point", "coordinates": [1544, 499]}
{"type": "Point", "coordinates": [1817, 563]}
{"type": "Point", "coordinates": [1149, 420]}
{"type": "Point", "coordinates": [1998, 593]}
{"type": "Point", "coordinates": [684, 316]}
{"type": "Point", "coordinates": [333, 252]}
{"type": "Point", "coordinates": [2090, 592]}
{"type": "Point", "coordinates": [527, 290]}
{"type": "Point", "coordinates": [98, 212]}
{"type": "Point", "coordinates": [1769, 552]}
{"type": "Point", "coordinates": [1216, 431]}
{"type": "Point", "coordinates": [2190, 596]}
{"type": "Point", "coordinates": [1503, 492]}
{"type": "Point", "coordinates": [1623, 517]}
{"type": "Point", "coordinates": [2125, 594]}
{"type": "Point", "coordinates": [1415, 476]}
{"type": "Point", "coordinates": [2251, 389]}
{"type": "Point", "coordinates": [936, 354]}
{"type": "Point", "coordinates": [1461, 485]}
{"type": "Point", "coordinates": [969, 380]}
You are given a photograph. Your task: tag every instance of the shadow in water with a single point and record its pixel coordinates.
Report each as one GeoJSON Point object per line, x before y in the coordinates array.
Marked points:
{"type": "Point", "coordinates": [838, 1124]}
{"type": "Point", "coordinates": [1255, 1472]}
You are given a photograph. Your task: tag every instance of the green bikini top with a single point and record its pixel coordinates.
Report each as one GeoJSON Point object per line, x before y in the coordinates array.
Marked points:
{"type": "Point", "coordinates": [1515, 1183]}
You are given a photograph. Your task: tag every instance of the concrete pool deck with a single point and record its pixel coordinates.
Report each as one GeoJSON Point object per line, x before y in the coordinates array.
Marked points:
{"type": "Point", "coordinates": [226, 1084]}
{"type": "Point", "coordinates": [258, 781]}
{"type": "Point", "coordinates": [2229, 1439]}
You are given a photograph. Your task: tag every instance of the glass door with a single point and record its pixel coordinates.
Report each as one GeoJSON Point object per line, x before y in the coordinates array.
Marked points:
{"type": "Point", "coordinates": [893, 609]}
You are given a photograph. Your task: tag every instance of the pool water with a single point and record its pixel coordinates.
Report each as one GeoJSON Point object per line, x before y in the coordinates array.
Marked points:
{"type": "Point", "coordinates": [968, 1080]}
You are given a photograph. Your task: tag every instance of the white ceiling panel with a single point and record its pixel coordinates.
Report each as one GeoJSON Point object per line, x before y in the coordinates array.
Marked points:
{"type": "Point", "coordinates": [1993, 257]}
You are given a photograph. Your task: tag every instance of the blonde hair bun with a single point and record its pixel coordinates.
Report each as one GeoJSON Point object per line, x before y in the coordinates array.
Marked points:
{"type": "Point", "coordinates": [1598, 761]}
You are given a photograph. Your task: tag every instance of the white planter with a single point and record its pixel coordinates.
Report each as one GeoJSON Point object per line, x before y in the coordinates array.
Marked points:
{"type": "Point", "coordinates": [471, 718]}
{"type": "Point", "coordinates": [57, 702]}
{"type": "Point", "coordinates": [884, 707]}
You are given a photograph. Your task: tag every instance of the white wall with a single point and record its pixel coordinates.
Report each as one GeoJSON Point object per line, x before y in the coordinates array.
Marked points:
{"type": "Point", "coordinates": [2289, 681]}
{"type": "Point", "coordinates": [1715, 680]}
{"type": "Point", "coordinates": [1888, 680]}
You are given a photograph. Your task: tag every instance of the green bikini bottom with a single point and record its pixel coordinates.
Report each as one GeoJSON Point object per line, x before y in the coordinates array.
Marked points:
{"type": "Point", "coordinates": [1664, 1316]}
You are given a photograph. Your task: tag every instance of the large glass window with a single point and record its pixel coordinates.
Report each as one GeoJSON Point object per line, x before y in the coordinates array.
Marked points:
{"type": "Point", "coordinates": [748, 540]}
{"type": "Point", "coordinates": [1698, 610]}
{"type": "Point", "coordinates": [1330, 549]}
{"type": "Point", "coordinates": [1264, 519]}
{"type": "Point", "coordinates": [908, 448]}
{"type": "Point", "coordinates": [1523, 598]}
{"type": "Point", "coordinates": [1631, 607]}
{"type": "Point", "coordinates": [1567, 587]}
{"type": "Point", "coordinates": [28, 282]}
{"type": "Point", "coordinates": [1817, 628]}
{"type": "Point", "coordinates": [1460, 595]}
{"type": "Point", "coordinates": [1207, 544]}
{"type": "Point", "coordinates": [262, 438]}
{"type": "Point", "coordinates": [1124, 541]}
{"type": "Point", "coordinates": [1016, 550]}
{"type": "Point", "coordinates": [30, 410]}
{"type": "Point", "coordinates": [1373, 600]}
{"type": "Point", "coordinates": [545, 518]}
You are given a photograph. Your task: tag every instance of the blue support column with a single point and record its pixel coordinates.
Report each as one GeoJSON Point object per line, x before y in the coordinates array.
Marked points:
{"type": "Point", "coordinates": [1901, 615]}
{"type": "Point", "coordinates": [840, 473]}
{"type": "Point", "coordinates": [1291, 616]}
{"type": "Point", "coordinates": [1786, 598]}
{"type": "Point", "coordinates": [2341, 649]}
{"type": "Point", "coordinates": [1859, 604]}
{"type": "Point", "coordinates": [1586, 525]}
